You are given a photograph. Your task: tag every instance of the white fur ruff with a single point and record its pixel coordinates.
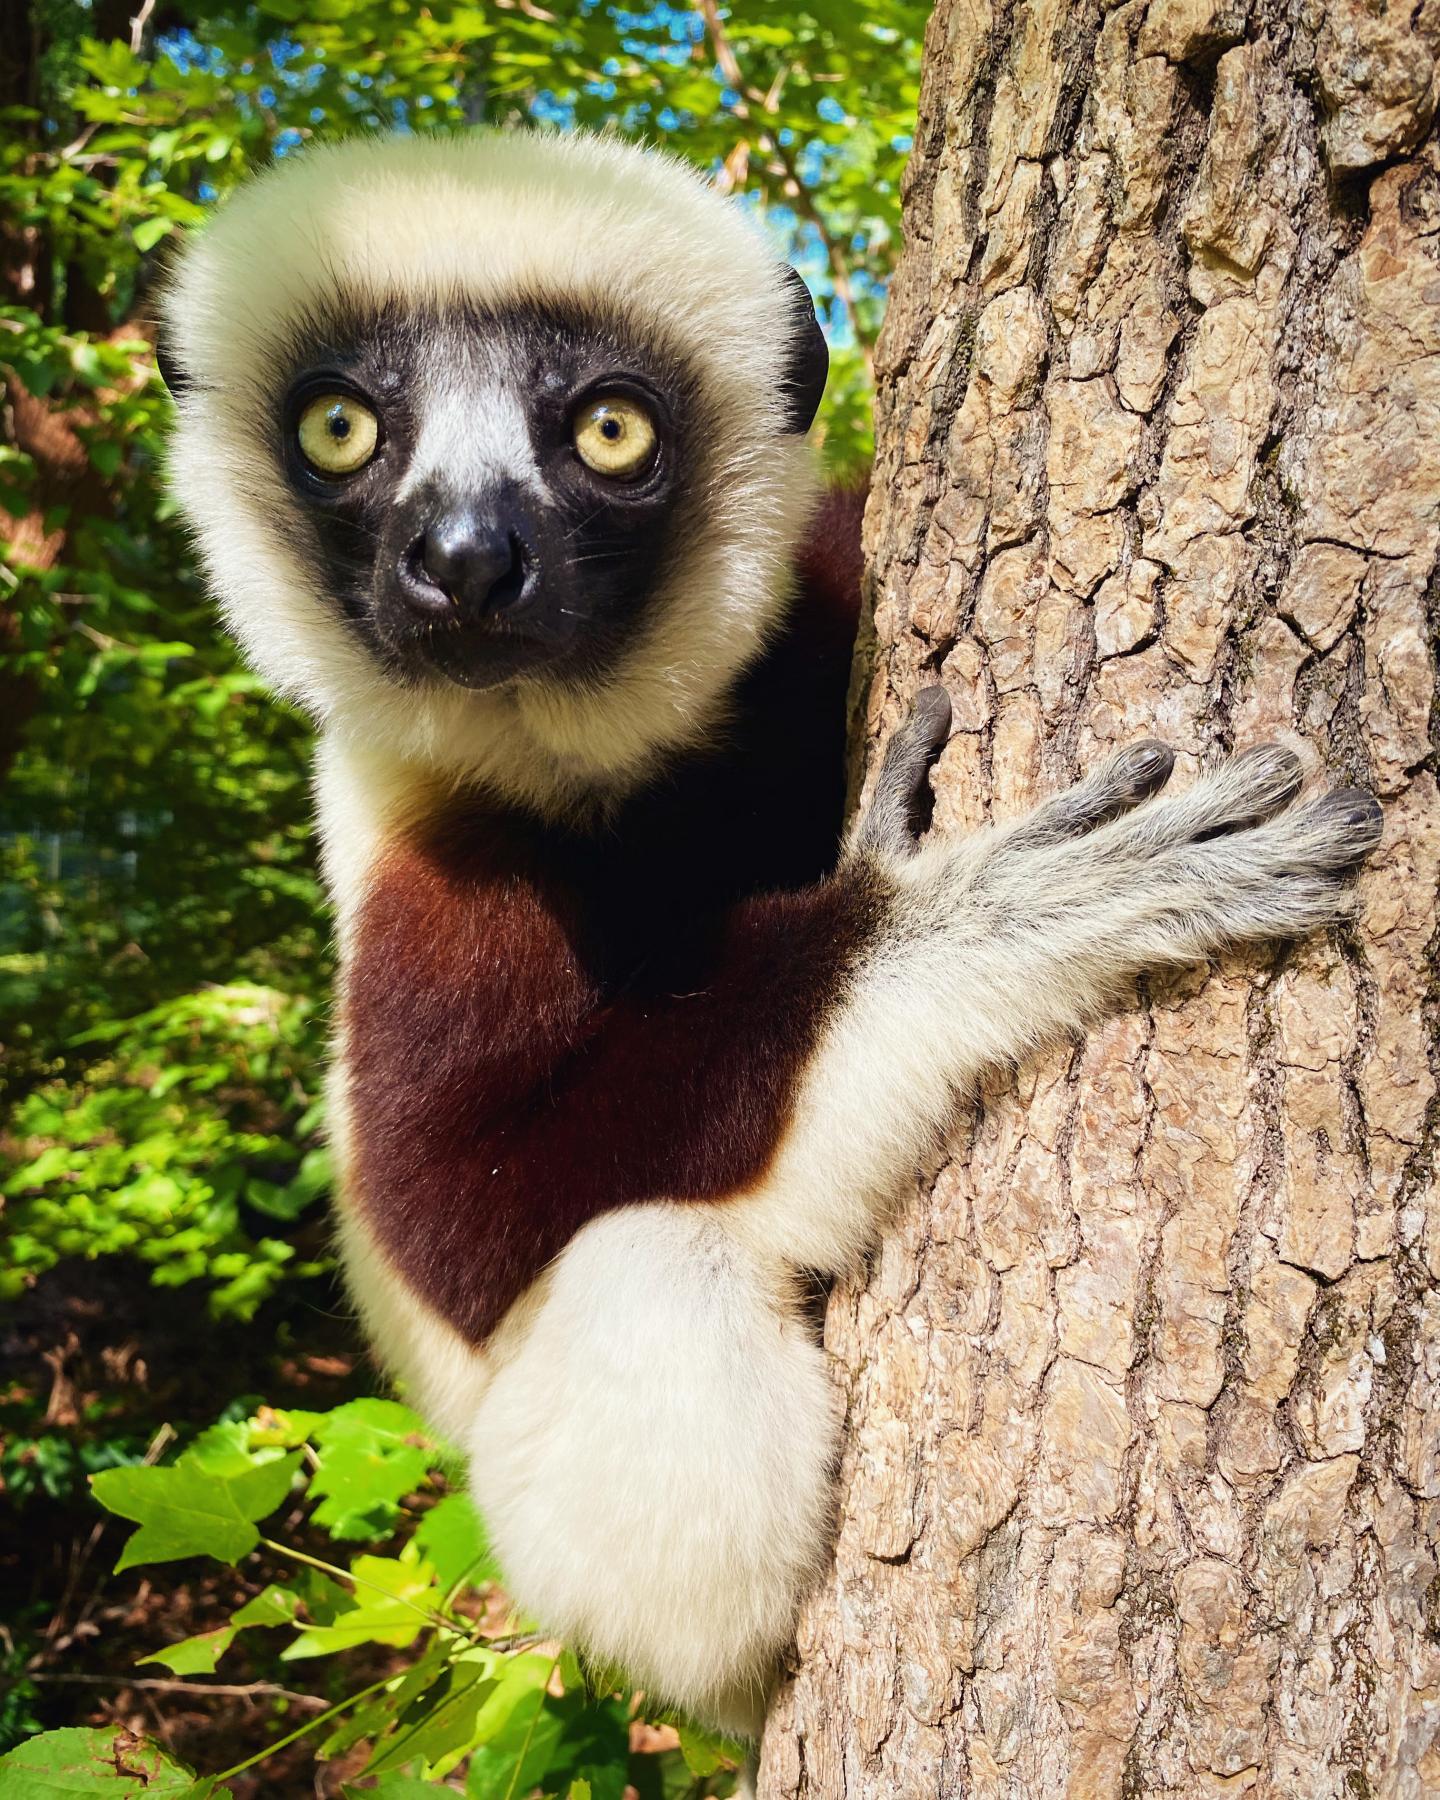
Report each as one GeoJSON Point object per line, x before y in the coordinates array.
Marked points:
{"type": "Point", "coordinates": [484, 217]}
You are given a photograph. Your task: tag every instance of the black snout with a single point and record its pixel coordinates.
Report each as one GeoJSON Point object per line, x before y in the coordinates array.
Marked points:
{"type": "Point", "coordinates": [468, 563]}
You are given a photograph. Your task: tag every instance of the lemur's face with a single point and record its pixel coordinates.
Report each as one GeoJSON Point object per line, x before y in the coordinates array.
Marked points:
{"type": "Point", "coordinates": [490, 491]}
{"type": "Point", "coordinates": [494, 446]}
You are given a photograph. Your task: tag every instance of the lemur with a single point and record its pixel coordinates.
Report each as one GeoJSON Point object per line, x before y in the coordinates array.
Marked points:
{"type": "Point", "coordinates": [495, 449]}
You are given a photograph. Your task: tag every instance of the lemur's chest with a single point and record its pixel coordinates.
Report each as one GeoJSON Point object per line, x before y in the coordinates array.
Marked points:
{"type": "Point", "coordinates": [541, 1025]}
{"type": "Point", "coordinates": [530, 1042]}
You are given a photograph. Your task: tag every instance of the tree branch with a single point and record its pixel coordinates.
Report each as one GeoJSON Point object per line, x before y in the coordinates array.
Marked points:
{"type": "Point", "coordinates": [225, 1690]}
{"type": "Point", "coordinates": [748, 102]}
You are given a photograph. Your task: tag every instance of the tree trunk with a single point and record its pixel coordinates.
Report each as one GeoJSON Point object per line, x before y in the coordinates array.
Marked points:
{"type": "Point", "coordinates": [1141, 1482]}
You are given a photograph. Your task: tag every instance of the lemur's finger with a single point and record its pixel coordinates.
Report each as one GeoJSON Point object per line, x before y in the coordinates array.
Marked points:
{"type": "Point", "coordinates": [1241, 793]}
{"type": "Point", "coordinates": [1284, 877]}
{"type": "Point", "coordinates": [1336, 833]}
{"type": "Point", "coordinates": [1129, 777]}
{"type": "Point", "coordinates": [895, 818]}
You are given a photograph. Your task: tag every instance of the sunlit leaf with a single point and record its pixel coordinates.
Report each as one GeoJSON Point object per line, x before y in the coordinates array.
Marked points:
{"type": "Point", "coordinates": [392, 1598]}
{"type": "Point", "coordinates": [444, 1723]}
{"type": "Point", "coordinates": [187, 1510]}
{"type": "Point", "coordinates": [371, 1454]}
{"type": "Point", "coordinates": [103, 1761]}
{"type": "Point", "coordinates": [452, 1536]}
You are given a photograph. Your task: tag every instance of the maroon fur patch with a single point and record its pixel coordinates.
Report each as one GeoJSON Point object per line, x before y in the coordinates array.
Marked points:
{"type": "Point", "coordinates": [544, 1024]}
{"type": "Point", "coordinates": [829, 563]}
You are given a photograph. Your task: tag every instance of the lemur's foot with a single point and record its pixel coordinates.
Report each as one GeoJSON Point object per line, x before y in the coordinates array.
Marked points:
{"type": "Point", "coordinates": [1245, 803]}
{"type": "Point", "coordinates": [1244, 807]}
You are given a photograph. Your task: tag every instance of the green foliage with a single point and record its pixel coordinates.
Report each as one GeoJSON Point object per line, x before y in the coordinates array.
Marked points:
{"type": "Point", "coordinates": [112, 1763]}
{"type": "Point", "coordinates": [178, 1147]}
{"type": "Point", "coordinates": [38, 1463]}
{"type": "Point", "coordinates": [154, 832]}
{"type": "Point", "coordinates": [189, 1510]}
{"type": "Point", "coordinates": [515, 1712]}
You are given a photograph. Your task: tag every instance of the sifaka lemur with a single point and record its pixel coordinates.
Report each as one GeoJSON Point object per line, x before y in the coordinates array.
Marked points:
{"type": "Point", "coordinates": [495, 448]}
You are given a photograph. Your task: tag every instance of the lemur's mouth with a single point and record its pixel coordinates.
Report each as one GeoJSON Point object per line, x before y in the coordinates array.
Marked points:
{"type": "Point", "coordinates": [477, 656]}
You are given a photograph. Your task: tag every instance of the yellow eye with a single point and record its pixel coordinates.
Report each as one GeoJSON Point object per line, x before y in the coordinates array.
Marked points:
{"type": "Point", "coordinates": [614, 435]}
{"type": "Point", "coordinates": [338, 433]}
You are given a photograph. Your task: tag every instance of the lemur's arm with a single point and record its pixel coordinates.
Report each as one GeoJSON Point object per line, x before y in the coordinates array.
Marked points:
{"type": "Point", "coordinates": [501, 1099]}
{"type": "Point", "coordinates": [1014, 937]}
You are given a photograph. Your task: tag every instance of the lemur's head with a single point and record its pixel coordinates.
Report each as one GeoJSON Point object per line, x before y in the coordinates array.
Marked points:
{"type": "Point", "coordinates": [494, 445]}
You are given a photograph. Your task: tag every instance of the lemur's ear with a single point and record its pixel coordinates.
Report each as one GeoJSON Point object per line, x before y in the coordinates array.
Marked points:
{"type": "Point", "coordinates": [809, 360]}
{"type": "Point", "coordinates": [174, 377]}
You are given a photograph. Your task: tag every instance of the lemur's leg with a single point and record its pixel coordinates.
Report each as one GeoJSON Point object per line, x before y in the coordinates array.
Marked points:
{"type": "Point", "coordinates": [653, 1457]}
{"type": "Point", "coordinates": [1010, 938]}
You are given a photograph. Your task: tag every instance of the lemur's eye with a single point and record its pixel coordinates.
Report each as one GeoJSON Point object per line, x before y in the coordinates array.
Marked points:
{"type": "Point", "coordinates": [338, 433]}
{"type": "Point", "coordinates": [614, 435]}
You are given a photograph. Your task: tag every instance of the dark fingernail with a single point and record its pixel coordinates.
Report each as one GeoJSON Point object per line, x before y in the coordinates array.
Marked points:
{"type": "Point", "coordinates": [1150, 763]}
{"type": "Point", "coordinates": [1363, 810]}
{"type": "Point", "coordinates": [932, 713]}
{"type": "Point", "coordinates": [1280, 757]}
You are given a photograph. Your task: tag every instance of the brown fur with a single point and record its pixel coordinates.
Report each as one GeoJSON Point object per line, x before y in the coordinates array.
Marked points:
{"type": "Point", "coordinates": [544, 1023]}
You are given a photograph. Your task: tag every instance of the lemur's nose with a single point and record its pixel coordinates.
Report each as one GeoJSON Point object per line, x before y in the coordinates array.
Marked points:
{"type": "Point", "coordinates": [464, 562]}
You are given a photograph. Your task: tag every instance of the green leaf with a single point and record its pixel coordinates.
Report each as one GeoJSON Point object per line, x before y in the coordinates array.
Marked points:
{"type": "Point", "coordinates": [370, 1719]}
{"type": "Point", "coordinates": [452, 1536]}
{"type": "Point", "coordinates": [186, 1510]}
{"type": "Point", "coordinates": [95, 1761]}
{"type": "Point", "coordinates": [519, 1755]}
{"type": "Point", "coordinates": [199, 1655]}
{"type": "Point", "coordinates": [195, 1655]}
{"type": "Point", "coordinates": [388, 1616]}
{"type": "Point", "coordinates": [395, 1785]}
{"type": "Point", "coordinates": [595, 1746]}
{"type": "Point", "coordinates": [273, 1605]}
{"type": "Point", "coordinates": [706, 1751]}
{"type": "Point", "coordinates": [516, 1732]}
{"type": "Point", "coordinates": [286, 1203]}
{"type": "Point", "coordinates": [148, 233]}
{"type": "Point", "coordinates": [440, 1727]}
{"type": "Point", "coordinates": [368, 1460]}
{"type": "Point", "coordinates": [578, 1790]}
{"type": "Point", "coordinates": [226, 1449]}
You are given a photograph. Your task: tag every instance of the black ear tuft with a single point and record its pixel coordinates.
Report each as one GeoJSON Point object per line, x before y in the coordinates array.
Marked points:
{"type": "Point", "coordinates": [174, 377]}
{"type": "Point", "coordinates": [809, 361]}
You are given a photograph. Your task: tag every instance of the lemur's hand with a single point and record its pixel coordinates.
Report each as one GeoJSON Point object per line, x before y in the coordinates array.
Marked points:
{"type": "Point", "coordinates": [1112, 879]}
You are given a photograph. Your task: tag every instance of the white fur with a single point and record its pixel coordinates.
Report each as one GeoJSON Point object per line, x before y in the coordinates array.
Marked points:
{"type": "Point", "coordinates": [521, 216]}
{"type": "Point", "coordinates": [653, 1460]}
{"type": "Point", "coordinates": [476, 434]}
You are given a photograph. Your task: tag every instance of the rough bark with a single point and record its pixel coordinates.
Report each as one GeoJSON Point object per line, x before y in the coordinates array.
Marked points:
{"type": "Point", "coordinates": [1141, 1482]}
